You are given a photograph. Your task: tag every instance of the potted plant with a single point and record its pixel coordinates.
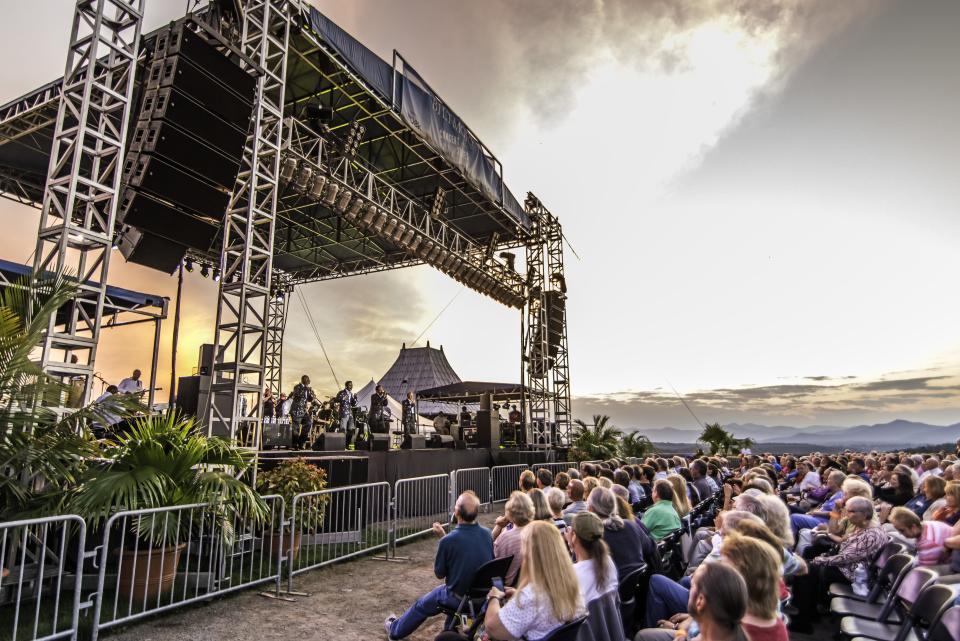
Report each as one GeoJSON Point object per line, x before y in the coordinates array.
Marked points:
{"type": "Point", "coordinates": [164, 461]}
{"type": "Point", "coordinates": [289, 478]}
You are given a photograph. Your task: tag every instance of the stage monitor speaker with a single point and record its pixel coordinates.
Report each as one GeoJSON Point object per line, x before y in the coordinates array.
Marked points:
{"type": "Point", "coordinates": [275, 435]}
{"type": "Point", "coordinates": [488, 429]}
{"type": "Point", "coordinates": [188, 394]}
{"type": "Point", "coordinates": [330, 442]}
{"type": "Point", "coordinates": [157, 218]}
{"type": "Point", "coordinates": [441, 440]}
{"type": "Point", "coordinates": [379, 442]}
{"type": "Point", "coordinates": [459, 444]}
{"type": "Point", "coordinates": [147, 249]}
{"type": "Point", "coordinates": [413, 442]}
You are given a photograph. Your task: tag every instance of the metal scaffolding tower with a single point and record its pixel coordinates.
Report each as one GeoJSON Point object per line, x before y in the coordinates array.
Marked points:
{"type": "Point", "coordinates": [246, 259]}
{"type": "Point", "coordinates": [556, 314]}
{"type": "Point", "coordinates": [83, 178]}
{"type": "Point", "coordinates": [276, 323]}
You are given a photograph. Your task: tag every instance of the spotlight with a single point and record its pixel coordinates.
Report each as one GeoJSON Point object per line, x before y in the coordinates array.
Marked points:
{"type": "Point", "coordinates": [344, 200]}
{"type": "Point", "coordinates": [352, 143]}
{"type": "Point", "coordinates": [303, 178]}
{"type": "Point", "coordinates": [369, 215]}
{"type": "Point", "coordinates": [407, 240]}
{"type": "Point", "coordinates": [204, 271]}
{"type": "Point", "coordinates": [399, 233]}
{"type": "Point", "coordinates": [413, 245]}
{"type": "Point", "coordinates": [287, 169]}
{"type": "Point", "coordinates": [188, 265]}
{"type": "Point", "coordinates": [439, 196]}
{"type": "Point", "coordinates": [318, 186]}
{"type": "Point", "coordinates": [390, 226]}
{"type": "Point", "coordinates": [330, 196]}
{"type": "Point", "coordinates": [216, 275]}
{"type": "Point", "coordinates": [354, 210]}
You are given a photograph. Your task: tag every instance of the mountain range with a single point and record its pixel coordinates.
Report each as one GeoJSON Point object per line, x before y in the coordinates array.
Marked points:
{"type": "Point", "coordinates": [901, 433]}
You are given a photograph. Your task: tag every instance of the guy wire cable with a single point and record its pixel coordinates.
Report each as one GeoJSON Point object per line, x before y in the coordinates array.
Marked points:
{"type": "Point", "coordinates": [435, 318]}
{"type": "Point", "coordinates": [684, 403]}
{"type": "Point", "coordinates": [313, 326]}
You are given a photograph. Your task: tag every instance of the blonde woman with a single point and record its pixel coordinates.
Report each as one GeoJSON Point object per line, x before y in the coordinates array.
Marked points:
{"type": "Point", "coordinates": [548, 594]}
{"type": "Point", "coordinates": [681, 502]}
{"type": "Point", "coordinates": [507, 531]}
{"type": "Point", "coordinates": [589, 484]}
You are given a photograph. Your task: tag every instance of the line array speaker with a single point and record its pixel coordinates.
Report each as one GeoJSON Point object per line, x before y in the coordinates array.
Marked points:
{"type": "Point", "coordinates": [187, 143]}
{"type": "Point", "coordinates": [147, 249]}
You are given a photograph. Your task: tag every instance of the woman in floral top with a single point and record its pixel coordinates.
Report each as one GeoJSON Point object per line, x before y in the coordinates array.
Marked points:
{"type": "Point", "coordinates": [859, 547]}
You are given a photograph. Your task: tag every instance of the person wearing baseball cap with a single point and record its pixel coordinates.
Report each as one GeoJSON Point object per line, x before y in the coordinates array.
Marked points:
{"type": "Point", "coordinates": [595, 569]}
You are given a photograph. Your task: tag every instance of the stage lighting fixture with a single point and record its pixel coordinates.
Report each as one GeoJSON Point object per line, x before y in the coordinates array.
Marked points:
{"type": "Point", "coordinates": [492, 245]}
{"type": "Point", "coordinates": [425, 248]}
{"type": "Point", "coordinates": [561, 282]}
{"type": "Point", "coordinates": [441, 257]}
{"type": "Point", "coordinates": [216, 275]}
{"type": "Point", "coordinates": [531, 201]}
{"type": "Point", "coordinates": [204, 271]}
{"type": "Point", "coordinates": [413, 245]}
{"type": "Point", "coordinates": [407, 240]}
{"type": "Point", "coordinates": [390, 226]}
{"type": "Point", "coordinates": [450, 262]}
{"type": "Point", "coordinates": [354, 209]}
{"type": "Point", "coordinates": [318, 116]}
{"type": "Point", "coordinates": [379, 221]}
{"type": "Point", "coordinates": [302, 180]}
{"type": "Point", "coordinates": [511, 260]}
{"type": "Point", "coordinates": [354, 136]}
{"type": "Point", "coordinates": [287, 168]}
{"type": "Point", "coordinates": [318, 187]}
{"type": "Point", "coordinates": [439, 204]}
{"type": "Point", "coordinates": [188, 265]}
{"type": "Point", "coordinates": [399, 232]}
{"type": "Point", "coordinates": [344, 200]}
{"type": "Point", "coordinates": [368, 215]}
{"type": "Point", "coordinates": [330, 196]}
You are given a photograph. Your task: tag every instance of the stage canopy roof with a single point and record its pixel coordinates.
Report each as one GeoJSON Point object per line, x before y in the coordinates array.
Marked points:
{"type": "Point", "coordinates": [469, 392]}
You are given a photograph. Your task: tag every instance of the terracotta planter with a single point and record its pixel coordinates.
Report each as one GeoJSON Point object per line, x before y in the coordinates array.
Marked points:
{"type": "Point", "coordinates": [146, 573]}
{"type": "Point", "coordinates": [271, 541]}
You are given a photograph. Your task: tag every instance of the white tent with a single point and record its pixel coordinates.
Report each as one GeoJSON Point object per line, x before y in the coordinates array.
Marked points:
{"type": "Point", "coordinates": [396, 408]}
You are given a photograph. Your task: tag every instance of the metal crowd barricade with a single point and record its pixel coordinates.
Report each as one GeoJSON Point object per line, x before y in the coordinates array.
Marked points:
{"type": "Point", "coordinates": [554, 468]}
{"type": "Point", "coordinates": [336, 524]}
{"type": "Point", "coordinates": [41, 565]}
{"type": "Point", "coordinates": [504, 479]}
{"type": "Point", "coordinates": [418, 504]}
{"type": "Point", "coordinates": [476, 479]}
{"type": "Point", "coordinates": [163, 558]}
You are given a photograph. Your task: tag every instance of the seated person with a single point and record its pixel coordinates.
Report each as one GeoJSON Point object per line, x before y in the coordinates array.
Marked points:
{"type": "Point", "coordinates": [820, 514]}
{"type": "Point", "coordinates": [625, 538]}
{"type": "Point", "coordinates": [460, 553]}
{"type": "Point", "coordinates": [928, 537]}
{"type": "Point", "coordinates": [661, 518]}
{"type": "Point", "coordinates": [594, 567]}
{"type": "Point", "coordinates": [548, 594]}
{"type": "Point", "coordinates": [517, 514]}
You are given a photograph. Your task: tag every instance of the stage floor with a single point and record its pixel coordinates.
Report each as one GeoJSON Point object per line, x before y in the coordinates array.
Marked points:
{"type": "Point", "coordinates": [350, 467]}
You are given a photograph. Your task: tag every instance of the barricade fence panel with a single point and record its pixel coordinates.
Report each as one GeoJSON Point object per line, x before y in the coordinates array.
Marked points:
{"type": "Point", "coordinates": [555, 468]}
{"type": "Point", "coordinates": [41, 565]}
{"type": "Point", "coordinates": [336, 524]}
{"type": "Point", "coordinates": [476, 479]}
{"type": "Point", "coordinates": [504, 479]}
{"type": "Point", "coordinates": [158, 559]}
{"type": "Point", "coordinates": [418, 504]}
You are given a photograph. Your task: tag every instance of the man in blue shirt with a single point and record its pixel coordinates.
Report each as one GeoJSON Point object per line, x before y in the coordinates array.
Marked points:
{"type": "Point", "coordinates": [460, 554]}
{"type": "Point", "coordinates": [821, 513]}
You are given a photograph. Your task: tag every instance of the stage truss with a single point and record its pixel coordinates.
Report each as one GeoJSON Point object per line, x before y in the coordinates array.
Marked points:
{"type": "Point", "coordinates": [307, 206]}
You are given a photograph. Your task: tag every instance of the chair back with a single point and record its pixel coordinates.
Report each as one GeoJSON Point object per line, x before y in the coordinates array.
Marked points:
{"type": "Point", "coordinates": [567, 631]}
{"type": "Point", "coordinates": [887, 552]}
{"type": "Point", "coordinates": [947, 627]}
{"type": "Point", "coordinates": [483, 578]}
{"type": "Point", "coordinates": [890, 577]}
{"type": "Point", "coordinates": [629, 584]}
{"type": "Point", "coordinates": [928, 606]}
{"type": "Point", "coordinates": [913, 585]}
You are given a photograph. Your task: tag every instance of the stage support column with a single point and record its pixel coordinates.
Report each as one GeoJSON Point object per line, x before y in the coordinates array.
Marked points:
{"type": "Point", "coordinates": [537, 349]}
{"type": "Point", "coordinates": [81, 192]}
{"type": "Point", "coordinates": [246, 256]}
{"type": "Point", "coordinates": [276, 323]}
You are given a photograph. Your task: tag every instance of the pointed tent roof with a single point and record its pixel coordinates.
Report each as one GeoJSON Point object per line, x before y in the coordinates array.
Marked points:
{"type": "Point", "coordinates": [418, 368]}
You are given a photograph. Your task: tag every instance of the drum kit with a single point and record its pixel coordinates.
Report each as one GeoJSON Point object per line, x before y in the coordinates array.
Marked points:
{"type": "Point", "coordinates": [326, 418]}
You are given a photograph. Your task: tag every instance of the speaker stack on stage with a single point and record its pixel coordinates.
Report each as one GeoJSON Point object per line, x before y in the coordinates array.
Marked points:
{"type": "Point", "coordinates": [413, 442]}
{"type": "Point", "coordinates": [488, 429]}
{"type": "Point", "coordinates": [330, 442]}
{"type": "Point", "coordinates": [379, 442]}
{"type": "Point", "coordinates": [185, 149]}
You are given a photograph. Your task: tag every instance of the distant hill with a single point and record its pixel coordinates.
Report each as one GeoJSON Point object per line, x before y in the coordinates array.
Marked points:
{"type": "Point", "coordinates": [898, 433]}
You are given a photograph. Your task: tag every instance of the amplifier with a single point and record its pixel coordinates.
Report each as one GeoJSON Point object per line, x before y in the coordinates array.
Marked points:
{"type": "Point", "coordinates": [189, 78]}
{"type": "Point", "coordinates": [379, 442]}
{"type": "Point", "coordinates": [275, 435]}
{"type": "Point", "coordinates": [166, 181]}
{"type": "Point", "coordinates": [330, 441]}
{"type": "Point", "coordinates": [155, 217]}
{"type": "Point", "coordinates": [413, 442]}
{"type": "Point", "coordinates": [165, 139]}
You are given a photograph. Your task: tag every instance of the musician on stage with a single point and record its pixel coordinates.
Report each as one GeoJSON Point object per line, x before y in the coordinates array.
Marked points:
{"type": "Point", "coordinates": [347, 400]}
{"type": "Point", "coordinates": [269, 404]}
{"type": "Point", "coordinates": [409, 418]}
{"type": "Point", "coordinates": [441, 424]}
{"type": "Point", "coordinates": [300, 418]}
{"type": "Point", "coordinates": [379, 418]}
{"type": "Point", "coordinates": [465, 418]}
{"type": "Point", "coordinates": [515, 416]}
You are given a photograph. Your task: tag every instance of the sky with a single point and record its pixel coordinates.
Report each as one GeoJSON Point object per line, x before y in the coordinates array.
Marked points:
{"type": "Point", "coordinates": [761, 195]}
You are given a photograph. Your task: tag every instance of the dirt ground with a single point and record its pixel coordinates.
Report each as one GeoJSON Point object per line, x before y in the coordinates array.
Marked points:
{"type": "Point", "coordinates": [348, 602]}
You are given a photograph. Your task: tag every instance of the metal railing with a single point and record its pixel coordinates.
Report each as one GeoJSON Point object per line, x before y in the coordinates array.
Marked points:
{"type": "Point", "coordinates": [555, 468]}
{"type": "Point", "coordinates": [333, 525]}
{"type": "Point", "coordinates": [418, 504]}
{"type": "Point", "coordinates": [476, 479]}
{"type": "Point", "coordinates": [41, 562]}
{"type": "Point", "coordinates": [504, 479]}
{"type": "Point", "coordinates": [158, 559]}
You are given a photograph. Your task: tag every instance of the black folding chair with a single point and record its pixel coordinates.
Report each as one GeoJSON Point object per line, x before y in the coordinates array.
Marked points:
{"type": "Point", "coordinates": [629, 586]}
{"type": "Point", "coordinates": [891, 576]}
{"type": "Point", "coordinates": [567, 631]}
{"type": "Point", "coordinates": [472, 603]}
{"type": "Point", "coordinates": [918, 616]}
{"type": "Point", "coordinates": [886, 553]}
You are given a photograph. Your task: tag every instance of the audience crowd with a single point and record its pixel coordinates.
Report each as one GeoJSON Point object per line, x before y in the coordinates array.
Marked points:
{"type": "Point", "coordinates": [711, 548]}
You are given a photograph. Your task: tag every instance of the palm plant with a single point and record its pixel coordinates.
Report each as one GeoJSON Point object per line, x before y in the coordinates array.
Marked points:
{"type": "Point", "coordinates": [42, 453]}
{"type": "Point", "coordinates": [164, 461]}
{"type": "Point", "coordinates": [636, 445]}
{"type": "Point", "coordinates": [720, 440]}
{"type": "Point", "coordinates": [596, 441]}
